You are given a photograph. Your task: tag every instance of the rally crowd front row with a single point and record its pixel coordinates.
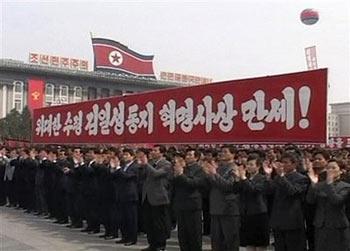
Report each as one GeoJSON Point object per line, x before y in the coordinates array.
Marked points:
{"type": "Point", "coordinates": [239, 197]}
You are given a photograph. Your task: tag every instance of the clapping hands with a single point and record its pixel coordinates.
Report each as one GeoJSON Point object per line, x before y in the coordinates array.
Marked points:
{"type": "Point", "coordinates": [312, 175]}
{"type": "Point", "coordinates": [274, 165]}
{"type": "Point", "coordinates": [179, 167]}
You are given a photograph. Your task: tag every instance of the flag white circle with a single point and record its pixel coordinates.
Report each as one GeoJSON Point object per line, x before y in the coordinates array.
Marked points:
{"type": "Point", "coordinates": [115, 58]}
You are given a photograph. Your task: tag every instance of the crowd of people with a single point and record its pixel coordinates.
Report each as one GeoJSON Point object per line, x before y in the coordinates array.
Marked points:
{"type": "Point", "coordinates": [239, 197]}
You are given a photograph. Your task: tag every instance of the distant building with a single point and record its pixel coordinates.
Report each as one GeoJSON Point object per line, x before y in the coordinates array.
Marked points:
{"type": "Point", "coordinates": [64, 86]}
{"type": "Point", "coordinates": [340, 119]}
{"type": "Point", "coordinates": [333, 125]}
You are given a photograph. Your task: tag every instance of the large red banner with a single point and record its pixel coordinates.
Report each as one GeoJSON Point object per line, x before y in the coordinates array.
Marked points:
{"type": "Point", "coordinates": [35, 93]}
{"type": "Point", "coordinates": [274, 109]}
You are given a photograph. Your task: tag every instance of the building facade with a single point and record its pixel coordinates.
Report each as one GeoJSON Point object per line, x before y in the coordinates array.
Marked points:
{"type": "Point", "coordinates": [65, 86]}
{"type": "Point", "coordinates": [342, 113]}
{"type": "Point", "coordinates": [333, 125]}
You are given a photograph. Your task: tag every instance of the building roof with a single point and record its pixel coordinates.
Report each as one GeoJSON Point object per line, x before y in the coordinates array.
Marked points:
{"type": "Point", "coordinates": [26, 68]}
{"type": "Point", "coordinates": [342, 103]}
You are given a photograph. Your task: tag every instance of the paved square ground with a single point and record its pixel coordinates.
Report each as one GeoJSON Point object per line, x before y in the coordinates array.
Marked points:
{"type": "Point", "coordinates": [25, 232]}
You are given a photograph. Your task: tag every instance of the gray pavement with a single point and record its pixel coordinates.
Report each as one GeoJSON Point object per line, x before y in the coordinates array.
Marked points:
{"type": "Point", "coordinates": [26, 232]}
{"type": "Point", "coordinates": [22, 232]}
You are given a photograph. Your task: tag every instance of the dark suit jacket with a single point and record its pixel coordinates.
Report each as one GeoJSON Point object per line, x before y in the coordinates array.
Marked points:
{"type": "Point", "coordinates": [106, 187]}
{"type": "Point", "coordinates": [156, 184]}
{"type": "Point", "coordinates": [64, 178]}
{"type": "Point", "coordinates": [30, 169]}
{"type": "Point", "coordinates": [330, 204]}
{"type": "Point", "coordinates": [224, 192]}
{"type": "Point", "coordinates": [187, 195]}
{"type": "Point", "coordinates": [75, 177]}
{"type": "Point", "coordinates": [12, 165]}
{"type": "Point", "coordinates": [346, 178]}
{"type": "Point", "coordinates": [3, 165]}
{"type": "Point", "coordinates": [41, 173]}
{"type": "Point", "coordinates": [126, 189]}
{"type": "Point", "coordinates": [17, 174]}
{"type": "Point", "coordinates": [252, 193]}
{"type": "Point", "coordinates": [58, 188]}
{"type": "Point", "coordinates": [50, 176]}
{"type": "Point", "coordinates": [90, 179]}
{"type": "Point", "coordinates": [288, 196]}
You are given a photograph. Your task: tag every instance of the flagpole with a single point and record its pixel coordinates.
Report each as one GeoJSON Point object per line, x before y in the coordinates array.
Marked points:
{"type": "Point", "coordinates": [91, 37]}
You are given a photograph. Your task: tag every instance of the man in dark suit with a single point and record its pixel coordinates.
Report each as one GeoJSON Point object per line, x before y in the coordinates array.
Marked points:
{"type": "Point", "coordinates": [346, 178]}
{"type": "Point", "coordinates": [31, 165]}
{"type": "Point", "coordinates": [50, 180]}
{"type": "Point", "coordinates": [287, 219]}
{"type": "Point", "coordinates": [224, 201]}
{"type": "Point", "coordinates": [74, 171]}
{"type": "Point", "coordinates": [189, 179]}
{"type": "Point", "coordinates": [41, 192]}
{"type": "Point", "coordinates": [61, 188]}
{"type": "Point", "coordinates": [9, 178]}
{"type": "Point", "coordinates": [141, 177]}
{"type": "Point", "coordinates": [155, 197]}
{"type": "Point", "coordinates": [127, 197]}
{"type": "Point", "coordinates": [91, 190]}
{"type": "Point", "coordinates": [3, 165]}
{"type": "Point", "coordinates": [17, 173]}
{"type": "Point", "coordinates": [108, 210]}
{"type": "Point", "coordinates": [87, 190]}
{"type": "Point", "coordinates": [20, 174]}
{"type": "Point", "coordinates": [318, 164]}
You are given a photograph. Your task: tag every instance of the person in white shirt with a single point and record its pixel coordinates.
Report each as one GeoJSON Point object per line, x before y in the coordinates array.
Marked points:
{"type": "Point", "coordinates": [9, 179]}
{"type": "Point", "coordinates": [3, 164]}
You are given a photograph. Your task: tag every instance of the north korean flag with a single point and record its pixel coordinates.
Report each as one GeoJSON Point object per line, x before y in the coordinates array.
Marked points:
{"type": "Point", "coordinates": [116, 57]}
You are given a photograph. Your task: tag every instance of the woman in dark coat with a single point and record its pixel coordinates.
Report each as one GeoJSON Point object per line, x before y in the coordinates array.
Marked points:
{"type": "Point", "coordinates": [254, 230]}
{"type": "Point", "coordinates": [331, 223]}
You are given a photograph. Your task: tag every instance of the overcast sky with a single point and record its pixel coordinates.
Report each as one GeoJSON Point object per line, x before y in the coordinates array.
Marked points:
{"type": "Point", "coordinates": [218, 39]}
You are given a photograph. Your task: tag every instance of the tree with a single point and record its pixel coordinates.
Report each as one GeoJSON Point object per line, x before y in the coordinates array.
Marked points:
{"type": "Point", "coordinates": [13, 120]}
{"type": "Point", "coordinates": [3, 129]}
{"type": "Point", "coordinates": [16, 126]}
{"type": "Point", "coordinates": [26, 124]}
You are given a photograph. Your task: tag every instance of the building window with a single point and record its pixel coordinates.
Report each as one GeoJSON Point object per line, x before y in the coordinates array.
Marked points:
{"type": "Point", "coordinates": [18, 105]}
{"type": "Point", "coordinates": [117, 93]}
{"type": "Point", "coordinates": [92, 93]}
{"type": "Point", "coordinates": [63, 94]}
{"type": "Point", "coordinates": [49, 94]}
{"type": "Point", "coordinates": [104, 93]}
{"type": "Point", "coordinates": [18, 87]}
{"type": "Point", "coordinates": [18, 95]}
{"type": "Point", "coordinates": [78, 94]}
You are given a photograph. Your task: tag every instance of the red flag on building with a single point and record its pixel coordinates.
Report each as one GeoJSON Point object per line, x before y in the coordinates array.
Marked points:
{"type": "Point", "coordinates": [116, 57]}
{"type": "Point", "coordinates": [35, 93]}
